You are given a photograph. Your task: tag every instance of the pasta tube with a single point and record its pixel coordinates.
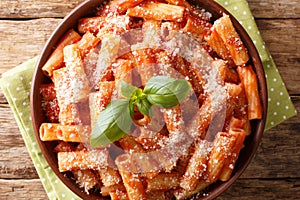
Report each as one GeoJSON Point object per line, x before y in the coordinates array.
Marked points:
{"type": "Point", "coordinates": [57, 58]}
{"type": "Point", "coordinates": [81, 160]}
{"type": "Point", "coordinates": [196, 167]}
{"type": "Point", "coordinates": [157, 11]}
{"type": "Point", "coordinates": [249, 80]}
{"type": "Point", "coordinates": [132, 181]}
{"type": "Point", "coordinates": [221, 150]}
{"type": "Point", "coordinates": [231, 160]}
{"type": "Point", "coordinates": [67, 133]}
{"type": "Point", "coordinates": [232, 40]}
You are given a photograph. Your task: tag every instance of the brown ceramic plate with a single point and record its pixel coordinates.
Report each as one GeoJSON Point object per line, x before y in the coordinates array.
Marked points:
{"type": "Point", "coordinates": [88, 8]}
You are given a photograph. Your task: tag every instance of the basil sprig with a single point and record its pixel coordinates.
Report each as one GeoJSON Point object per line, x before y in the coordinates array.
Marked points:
{"type": "Point", "coordinates": [116, 119]}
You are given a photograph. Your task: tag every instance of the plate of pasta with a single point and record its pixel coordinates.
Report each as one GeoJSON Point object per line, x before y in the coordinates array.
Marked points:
{"type": "Point", "coordinates": [149, 100]}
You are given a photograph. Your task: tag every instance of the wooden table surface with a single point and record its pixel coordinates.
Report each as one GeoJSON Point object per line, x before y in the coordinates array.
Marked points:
{"type": "Point", "coordinates": [274, 173]}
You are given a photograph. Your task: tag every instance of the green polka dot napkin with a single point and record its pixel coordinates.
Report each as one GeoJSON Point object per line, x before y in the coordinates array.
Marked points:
{"type": "Point", "coordinates": [16, 87]}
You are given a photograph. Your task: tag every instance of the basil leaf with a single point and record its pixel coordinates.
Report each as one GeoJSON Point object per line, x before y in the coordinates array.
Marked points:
{"type": "Point", "coordinates": [165, 91]}
{"type": "Point", "coordinates": [165, 101]}
{"type": "Point", "coordinates": [143, 106]}
{"type": "Point", "coordinates": [127, 90]}
{"type": "Point", "coordinates": [112, 124]}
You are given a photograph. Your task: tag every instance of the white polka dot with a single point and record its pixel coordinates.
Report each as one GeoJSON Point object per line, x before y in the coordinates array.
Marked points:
{"type": "Point", "coordinates": [72, 199]}
{"type": "Point", "coordinates": [27, 129]}
{"type": "Point", "coordinates": [295, 111]}
{"type": "Point", "coordinates": [263, 46]}
{"type": "Point", "coordinates": [272, 89]}
{"type": "Point", "coordinates": [49, 194]}
{"type": "Point", "coordinates": [278, 103]}
{"type": "Point", "coordinates": [43, 180]}
{"type": "Point", "coordinates": [226, 3]}
{"type": "Point", "coordinates": [249, 27]}
{"type": "Point", "coordinates": [275, 113]}
{"type": "Point", "coordinates": [33, 143]}
{"type": "Point", "coordinates": [272, 123]}
{"type": "Point", "coordinates": [258, 33]}
{"type": "Point", "coordinates": [21, 78]}
{"type": "Point", "coordinates": [63, 195]}
{"type": "Point", "coordinates": [30, 83]}
{"type": "Point", "coordinates": [21, 114]}
{"type": "Point", "coordinates": [241, 22]}
{"type": "Point", "coordinates": [38, 165]}
{"type": "Point", "coordinates": [287, 107]}
{"type": "Point", "coordinates": [284, 117]}
{"type": "Point", "coordinates": [14, 99]}
{"type": "Point", "coordinates": [56, 181]}
{"type": "Point", "coordinates": [28, 93]}
{"type": "Point", "coordinates": [274, 79]}
{"type": "Point", "coordinates": [269, 99]}
{"type": "Point", "coordinates": [276, 70]}
{"type": "Point", "coordinates": [235, 8]}
{"type": "Point", "coordinates": [24, 103]}
{"type": "Point", "coordinates": [244, 13]}
{"type": "Point", "coordinates": [252, 18]}
{"type": "Point", "coordinates": [268, 66]}
{"type": "Point", "coordinates": [254, 41]}
{"type": "Point", "coordinates": [30, 118]}
{"type": "Point", "coordinates": [33, 150]}
{"type": "Point", "coordinates": [281, 93]}
{"type": "Point", "coordinates": [18, 89]}
{"type": "Point", "coordinates": [266, 75]}
{"type": "Point", "coordinates": [7, 84]}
